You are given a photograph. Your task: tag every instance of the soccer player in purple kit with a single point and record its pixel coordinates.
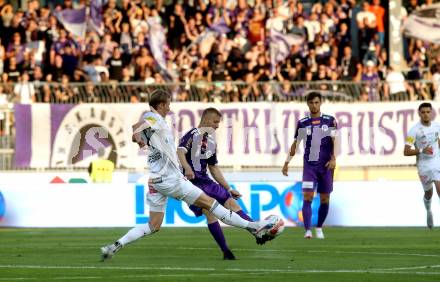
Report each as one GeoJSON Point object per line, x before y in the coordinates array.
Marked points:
{"type": "Point", "coordinates": [197, 153]}
{"type": "Point", "coordinates": [318, 132]}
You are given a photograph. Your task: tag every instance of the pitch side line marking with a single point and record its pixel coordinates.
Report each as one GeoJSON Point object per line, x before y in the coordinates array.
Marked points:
{"type": "Point", "coordinates": [376, 253]}
{"type": "Point", "coordinates": [317, 251]}
{"type": "Point", "coordinates": [312, 251]}
{"type": "Point", "coordinates": [388, 270]}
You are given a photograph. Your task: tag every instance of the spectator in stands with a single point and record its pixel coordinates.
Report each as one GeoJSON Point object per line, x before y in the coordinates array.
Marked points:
{"type": "Point", "coordinates": [107, 47]}
{"type": "Point", "coordinates": [13, 70]}
{"type": "Point", "coordinates": [64, 92]}
{"type": "Point", "coordinates": [24, 90]}
{"type": "Point", "coordinates": [395, 88]}
{"type": "Point", "coordinates": [115, 65]}
{"type": "Point", "coordinates": [412, 5]}
{"type": "Point", "coordinates": [350, 67]}
{"type": "Point", "coordinates": [379, 13]}
{"type": "Point", "coordinates": [16, 49]}
{"type": "Point", "coordinates": [365, 37]}
{"type": "Point", "coordinates": [57, 70]}
{"type": "Point", "coordinates": [343, 38]}
{"type": "Point", "coordinates": [69, 60]}
{"type": "Point", "coordinates": [366, 16]}
{"type": "Point", "coordinates": [35, 38]}
{"type": "Point", "coordinates": [370, 54]}
{"type": "Point", "coordinates": [370, 78]}
{"type": "Point", "coordinates": [91, 94]}
{"type": "Point", "coordinates": [95, 69]}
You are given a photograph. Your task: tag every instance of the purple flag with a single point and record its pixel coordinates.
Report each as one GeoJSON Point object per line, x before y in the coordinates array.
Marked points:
{"type": "Point", "coordinates": [96, 20]}
{"type": "Point", "coordinates": [73, 20]}
{"type": "Point", "coordinates": [220, 27]}
{"type": "Point", "coordinates": [424, 24]}
{"type": "Point", "coordinates": [157, 42]}
{"type": "Point", "coordinates": [216, 28]}
{"type": "Point", "coordinates": [280, 45]}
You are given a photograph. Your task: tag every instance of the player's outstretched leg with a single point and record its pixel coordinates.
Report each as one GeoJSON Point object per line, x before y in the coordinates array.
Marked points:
{"type": "Point", "coordinates": [231, 218]}
{"type": "Point", "coordinates": [137, 232]}
{"type": "Point", "coordinates": [234, 206]}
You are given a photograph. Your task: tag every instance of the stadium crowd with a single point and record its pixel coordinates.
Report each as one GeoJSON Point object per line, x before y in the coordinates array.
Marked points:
{"type": "Point", "coordinates": [36, 48]}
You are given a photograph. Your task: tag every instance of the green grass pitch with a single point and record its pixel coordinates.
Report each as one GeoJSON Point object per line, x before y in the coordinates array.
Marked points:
{"type": "Point", "coordinates": [190, 254]}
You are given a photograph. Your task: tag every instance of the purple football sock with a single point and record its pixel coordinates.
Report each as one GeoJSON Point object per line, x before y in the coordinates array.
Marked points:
{"type": "Point", "coordinates": [217, 233]}
{"type": "Point", "coordinates": [307, 214]}
{"type": "Point", "coordinates": [244, 216]}
{"type": "Point", "coordinates": [322, 213]}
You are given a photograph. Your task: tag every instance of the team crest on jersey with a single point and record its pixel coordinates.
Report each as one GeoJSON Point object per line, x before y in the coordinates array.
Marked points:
{"type": "Point", "coordinates": [324, 127]}
{"type": "Point", "coordinates": [208, 154]}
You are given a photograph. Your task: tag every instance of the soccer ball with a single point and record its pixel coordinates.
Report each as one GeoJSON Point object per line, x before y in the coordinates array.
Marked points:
{"type": "Point", "coordinates": [278, 227]}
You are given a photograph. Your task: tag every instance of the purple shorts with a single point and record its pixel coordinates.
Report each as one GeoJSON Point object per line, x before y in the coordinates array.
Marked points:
{"type": "Point", "coordinates": [213, 190]}
{"type": "Point", "coordinates": [317, 177]}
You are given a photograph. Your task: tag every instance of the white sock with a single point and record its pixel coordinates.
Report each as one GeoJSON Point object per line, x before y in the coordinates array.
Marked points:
{"type": "Point", "coordinates": [427, 204]}
{"type": "Point", "coordinates": [227, 216]}
{"type": "Point", "coordinates": [135, 233]}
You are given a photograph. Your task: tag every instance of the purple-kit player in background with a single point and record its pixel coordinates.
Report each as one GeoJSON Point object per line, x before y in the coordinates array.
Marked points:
{"type": "Point", "coordinates": [197, 153]}
{"type": "Point", "coordinates": [318, 132]}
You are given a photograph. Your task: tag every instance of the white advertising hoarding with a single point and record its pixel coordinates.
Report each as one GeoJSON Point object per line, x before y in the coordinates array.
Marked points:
{"type": "Point", "coordinates": [374, 203]}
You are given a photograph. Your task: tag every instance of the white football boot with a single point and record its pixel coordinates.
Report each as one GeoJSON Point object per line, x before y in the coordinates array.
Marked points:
{"type": "Point", "coordinates": [319, 234]}
{"type": "Point", "coordinates": [265, 227]}
{"type": "Point", "coordinates": [308, 234]}
{"type": "Point", "coordinates": [107, 252]}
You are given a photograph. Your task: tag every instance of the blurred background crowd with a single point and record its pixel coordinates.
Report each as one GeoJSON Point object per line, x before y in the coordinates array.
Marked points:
{"type": "Point", "coordinates": [208, 41]}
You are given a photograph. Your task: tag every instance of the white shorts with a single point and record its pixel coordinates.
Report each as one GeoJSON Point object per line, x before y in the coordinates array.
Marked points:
{"type": "Point", "coordinates": [428, 176]}
{"type": "Point", "coordinates": [178, 188]}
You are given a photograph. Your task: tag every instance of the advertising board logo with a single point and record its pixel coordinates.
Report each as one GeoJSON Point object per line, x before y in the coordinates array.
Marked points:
{"type": "Point", "coordinates": [263, 199]}
{"type": "Point", "coordinates": [291, 206]}
{"type": "Point", "coordinates": [85, 129]}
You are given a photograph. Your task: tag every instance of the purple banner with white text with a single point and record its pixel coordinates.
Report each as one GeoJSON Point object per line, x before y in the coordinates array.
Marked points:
{"type": "Point", "coordinates": [251, 134]}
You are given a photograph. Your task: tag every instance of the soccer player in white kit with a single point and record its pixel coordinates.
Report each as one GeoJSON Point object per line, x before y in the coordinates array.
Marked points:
{"type": "Point", "coordinates": [424, 137]}
{"type": "Point", "coordinates": [166, 179]}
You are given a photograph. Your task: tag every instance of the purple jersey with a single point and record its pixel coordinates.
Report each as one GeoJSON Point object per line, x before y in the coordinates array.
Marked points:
{"type": "Point", "coordinates": [200, 151]}
{"type": "Point", "coordinates": [316, 133]}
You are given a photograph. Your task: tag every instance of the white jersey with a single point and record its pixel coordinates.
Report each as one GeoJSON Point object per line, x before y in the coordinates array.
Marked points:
{"type": "Point", "coordinates": [162, 158]}
{"type": "Point", "coordinates": [420, 137]}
